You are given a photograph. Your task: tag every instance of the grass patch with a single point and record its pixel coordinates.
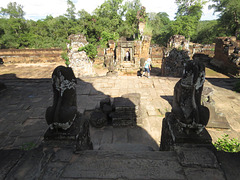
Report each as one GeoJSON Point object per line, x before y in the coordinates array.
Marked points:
{"type": "Point", "coordinates": [210, 72]}
{"type": "Point", "coordinates": [28, 146]}
{"type": "Point", "coordinates": [226, 144]}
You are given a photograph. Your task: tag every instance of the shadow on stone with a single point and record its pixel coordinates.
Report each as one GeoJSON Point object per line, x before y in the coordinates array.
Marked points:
{"type": "Point", "coordinates": [67, 125]}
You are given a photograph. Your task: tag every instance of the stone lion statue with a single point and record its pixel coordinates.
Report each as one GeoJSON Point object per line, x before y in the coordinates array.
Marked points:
{"type": "Point", "coordinates": [187, 108]}
{"type": "Point", "coordinates": [64, 109]}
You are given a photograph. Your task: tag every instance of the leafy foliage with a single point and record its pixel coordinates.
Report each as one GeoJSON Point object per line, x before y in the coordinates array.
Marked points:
{"type": "Point", "coordinates": [70, 10]}
{"type": "Point", "coordinates": [226, 144]}
{"type": "Point", "coordinates": [13, 10]}
{"type": "Point", "coordinates": [66, 58]}
{"type": "Point", "coordinates": [229, 15]}
{"type": "Point", "coordinates": [207, 31]}
{"type": "Point", "coordinates": [90, 50]}
{"type": "Point", "coordinates": [160, 24]}
{"type": "Point", "coordinates": [187, 17]}
{"type": "Point", "coordinates": [114, 19]}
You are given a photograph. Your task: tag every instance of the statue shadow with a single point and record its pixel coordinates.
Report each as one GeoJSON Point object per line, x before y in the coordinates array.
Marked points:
{"type": "Point", "coordinates": [169, 99]}
{"type": "Point", "coordinates": [9, 76]}
{"type": "Point", "coordinates": [24, 104]}
{"type": "Point", "coordinates": [155, 71]}
{"type": "Point", "coordinates": [121, 131]}
{"type": "Point", "coordinates": [226, 83]}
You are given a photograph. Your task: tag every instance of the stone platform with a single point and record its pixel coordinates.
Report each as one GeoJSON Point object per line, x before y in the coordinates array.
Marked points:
{"type": "Point", "coordinates": [24, 155]}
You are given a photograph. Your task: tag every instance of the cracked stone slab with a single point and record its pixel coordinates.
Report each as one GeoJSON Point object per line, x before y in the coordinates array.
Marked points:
{"type": "Point", "coordinates": [203, 173]}
{"type": "Point", "coordinates": [114, 165]}
{"type": "Point", "coordinates": [8, 159]}
{"type": "Point", "coordinates": [201, 157]}
{"type": "Point", "coordinates": [31, 165]}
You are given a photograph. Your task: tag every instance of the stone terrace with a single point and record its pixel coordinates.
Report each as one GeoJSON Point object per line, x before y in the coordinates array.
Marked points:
{"type": "Point", "coordinates": [22, 110]}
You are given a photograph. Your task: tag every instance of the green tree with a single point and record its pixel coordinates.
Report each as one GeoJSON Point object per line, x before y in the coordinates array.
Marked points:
{"type": "Point", "coordinates": [160, 24]}
{"type": "Point", "coordinates": [111, 9]}
{"type": "Point", "coordinates": [13, 33]}
{"type": "Point", "coordinates": [13, 10]}
{"type": "Point", "coordinates": [184, 25]}
{"type": "Point", "coordinates": [190, 8]}
{"type": "Point", "coordinates": [207, 31]}
{"type": "Point", "coordinates": [108, 17]}
{"type": "Point", "coordinates": [90, 50]}
{"type": "Point", "coordinates": [229, 14]}
{"type": "Point", "coordinates": [70, 10]}
{"type": "Point", "coordinates": [105, 37]}
{"type": "Point", "coordinates": [187, 17]}
{"type": "Point", "coordinates": [130, 26]}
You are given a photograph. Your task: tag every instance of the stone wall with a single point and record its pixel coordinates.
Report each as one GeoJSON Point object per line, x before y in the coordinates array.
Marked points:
{"type": "Point", "coordinates": [227, 56]}
{"type": "Point", "coordinates": [207, 49]}
{"type": "Point", "coordinates": [156, 54]}
{"type": "Point", "coordinates": [142, 49]}
{"type": "Point", "coordinates": [173, 64]}
{"type": "Point", "coordinates": [31, 55]}
{"type": "Point", "coordinates": [100, 56]}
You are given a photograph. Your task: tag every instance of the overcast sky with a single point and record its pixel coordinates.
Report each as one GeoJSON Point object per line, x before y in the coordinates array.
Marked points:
{"type": "Point", "coordinates": [39, 9]}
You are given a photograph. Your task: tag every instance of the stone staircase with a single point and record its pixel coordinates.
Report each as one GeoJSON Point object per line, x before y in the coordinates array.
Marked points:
{"type": "Point", "coordinates": [128, 67]}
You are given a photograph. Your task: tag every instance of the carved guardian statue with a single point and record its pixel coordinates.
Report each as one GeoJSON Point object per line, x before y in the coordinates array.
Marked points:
{"type": "Point", "coordinates": [187, 108]}
{"type": "Point", "coordinates": [63, 112]}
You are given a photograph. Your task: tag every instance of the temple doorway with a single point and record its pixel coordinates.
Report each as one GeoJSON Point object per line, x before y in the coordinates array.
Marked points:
{"type": "Point", "coordinates": [126, 55]}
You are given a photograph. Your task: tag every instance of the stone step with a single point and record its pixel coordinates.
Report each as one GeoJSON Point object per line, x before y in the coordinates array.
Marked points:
{"type": "Point", "coordinates": [124, 165]}
{"type": "Point", "coordinates": [61, 163]}
{"type": "Point", "coordinates": [127, 135]}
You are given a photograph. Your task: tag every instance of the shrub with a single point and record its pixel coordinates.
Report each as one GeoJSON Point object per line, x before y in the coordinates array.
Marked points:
{"type": "Point", "coordinates": [66, 58]}
{"type": "Point", "coordinates": [90, 50]}
{"type": "Point", "coordinates": [226, 144]}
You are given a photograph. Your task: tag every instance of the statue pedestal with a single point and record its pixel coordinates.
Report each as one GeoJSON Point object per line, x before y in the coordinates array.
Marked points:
{"type": "Point", "coordinates": [173, 135]}
{"type": "Point", "coordinates": [77, 134]}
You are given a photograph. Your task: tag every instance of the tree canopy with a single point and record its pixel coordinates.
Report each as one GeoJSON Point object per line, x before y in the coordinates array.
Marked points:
{"type": "Point", "coordinates": [229, 14]}
{"type": "Point", "coordinates": [187, 17]}
{"type": "Point", "coordinates": [13, 10]}
{"type": "Point", "coordinates": [114, 19]}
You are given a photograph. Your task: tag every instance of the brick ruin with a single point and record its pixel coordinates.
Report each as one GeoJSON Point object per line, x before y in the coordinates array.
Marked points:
{"type": "Point", "coordinates": [31, 55]}
{"type": "Point", "coordinates": [79, 61]}
{"type": "Point", "coordinates": [223, 54]}
{"type": "Point", "coordinates": [179, 51]}
{"type": "Point", "coordinates": [227, 55]}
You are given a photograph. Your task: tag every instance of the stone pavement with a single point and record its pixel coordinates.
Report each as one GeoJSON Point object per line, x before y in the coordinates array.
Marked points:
{"type": "Point", "coordinates": [125, 153]}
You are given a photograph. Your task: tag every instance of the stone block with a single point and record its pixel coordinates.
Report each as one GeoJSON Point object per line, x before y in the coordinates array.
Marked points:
{"type": "Point", "coordinates": [198, 156]}
{"type": "Point", "coordinates": [203, 173]}
{"type": "Point", "coordinates": [77, 134]}
{"type": "Point", "coordinates": [172, 135]}
{"type": "Point", "coordinates": [118, 165]}
{"type": "Point", "coordinates": [9, 158]}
